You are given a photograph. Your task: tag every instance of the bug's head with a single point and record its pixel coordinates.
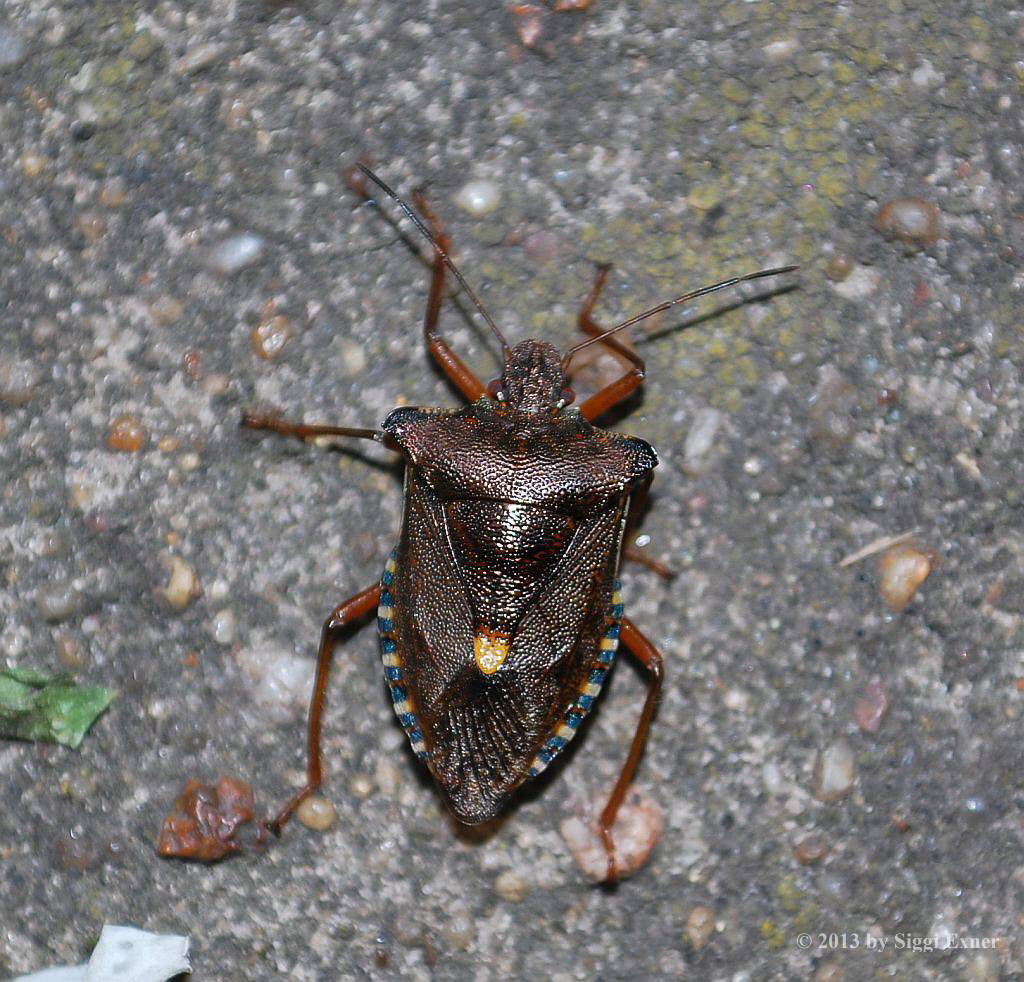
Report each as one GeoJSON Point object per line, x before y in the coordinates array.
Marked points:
{"type": "Point", "coordinates": [532, 380]}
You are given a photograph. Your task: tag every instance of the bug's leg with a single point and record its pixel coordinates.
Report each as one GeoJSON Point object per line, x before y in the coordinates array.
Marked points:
{"type": "Point", "coordinates": [255, 421]}
{"type": "Point", "coordinates": [632, 552]}
{"type": "Point", "coordinates": [343, 615]}
{"type": "Point", "coordinates": [453, 367]}
{"type": "Point", "coordinates": [650, 658]}
{"type": "Point", "coordinates": [613, 393]}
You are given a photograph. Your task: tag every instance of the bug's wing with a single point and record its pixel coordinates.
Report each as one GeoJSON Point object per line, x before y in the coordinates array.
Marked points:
{"type": "Point", "coordinates": [483, 732]}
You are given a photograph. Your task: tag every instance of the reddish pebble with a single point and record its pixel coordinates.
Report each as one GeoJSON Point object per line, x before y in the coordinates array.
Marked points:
{"type": "Point", "coordinates": [206, 819]}
{"type": "Point", "coordinates": [126, 434]}
{"type": "Point", "coordinates": [270, 336]}
{"type": "Point", "coordinates": [700, 925]}
{"type": "Point", "coordinates": [529, 20]}
{"type": "Point", "coordinates": [192, 363]}
{"type": "Point", "coordinates": [870, 707]}
{"type": "Point", "coordinates": [637, 830]}
{"type": "Point", "coordinates": [810, 850]}
{"type": "Point", "coordinates": [911, 220]}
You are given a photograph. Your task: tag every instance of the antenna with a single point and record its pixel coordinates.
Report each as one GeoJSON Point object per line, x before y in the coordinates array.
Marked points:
{"type": "Point", "coordinates": [418, 222]}
{"type": "Point", "coordinates": [692, 295]}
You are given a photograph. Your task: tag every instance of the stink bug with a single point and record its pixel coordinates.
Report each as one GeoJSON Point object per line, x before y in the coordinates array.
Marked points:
{"type": "Point", "coordinates": [499, 611]}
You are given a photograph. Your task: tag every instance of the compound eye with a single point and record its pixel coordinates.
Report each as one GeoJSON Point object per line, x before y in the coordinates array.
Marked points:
{"type": "Point", "coordinates": [568, 396]}
{"type": "Point", "coordinates": [494, 388]}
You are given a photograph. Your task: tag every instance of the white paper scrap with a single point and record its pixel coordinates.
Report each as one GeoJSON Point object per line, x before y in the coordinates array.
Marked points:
{"type": "Point", "coordinates": [124, 954]}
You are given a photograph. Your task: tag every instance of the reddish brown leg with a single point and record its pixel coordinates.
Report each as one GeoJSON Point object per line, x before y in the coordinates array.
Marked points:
{"type": "Point", "coordinates": [650, 658]}
{"type": "Point", "coordinates": [612, 394]}
{"type": "Point", "coordinates": [303, 431]}
{"type": "Point", "coordinates": [344, 614]}
{"type": "Point", "coordinates": [632, 552]}
{"type": "Point", "coordinates": [452, 366]}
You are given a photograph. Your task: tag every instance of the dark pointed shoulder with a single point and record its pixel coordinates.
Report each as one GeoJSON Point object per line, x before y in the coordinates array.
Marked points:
{"type": "Point", "coordinates": [556, 459]}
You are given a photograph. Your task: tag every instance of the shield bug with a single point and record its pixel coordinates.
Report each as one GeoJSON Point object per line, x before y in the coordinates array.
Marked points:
{"type": "Point", "coordinates": [499, 610]}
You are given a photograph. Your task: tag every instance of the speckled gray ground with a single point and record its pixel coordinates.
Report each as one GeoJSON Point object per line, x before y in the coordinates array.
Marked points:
{"type": "Point", "coordinates": [686, 141]}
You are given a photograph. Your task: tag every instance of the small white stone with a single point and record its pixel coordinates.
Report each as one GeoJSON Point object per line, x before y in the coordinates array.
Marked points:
{"type": "Point", "coordinates": [478, 198]}
{"type": "Point", "coordinates": [223, 626]}
{"type": "Point", "coordinates": [283, 680]}
{"type": "Point", "coordinates": [637, 829]}
{"type": "Point", "coordinates": [774, 780]}
{"type": "Point", "coordinates": [861, 283]}
{"type": "Point", "coordinates": [511, 886]}
{"type": "Point", "coordinates": [700, 441]}
{"type": "Point", "coordinates": [834, 772]}
{"type": "Point", "coordinates": [780, 50]}
{"type": "Point", "coordinates": [199, 58]}
{"type": "Point", "coordinates": [12, 49]}
{"type": "Point", "coordinates": [233, 254]}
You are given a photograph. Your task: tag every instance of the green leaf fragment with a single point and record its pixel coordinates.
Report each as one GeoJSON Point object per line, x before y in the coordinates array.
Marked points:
{"type": "Point", "coordinates": [38, 706]}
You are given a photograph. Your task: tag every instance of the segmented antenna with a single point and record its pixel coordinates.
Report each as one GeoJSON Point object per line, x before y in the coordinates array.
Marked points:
{"type": "Point", "coordinates": [692, 295]}
{"type": "Point", "coordinates": [418, 222]}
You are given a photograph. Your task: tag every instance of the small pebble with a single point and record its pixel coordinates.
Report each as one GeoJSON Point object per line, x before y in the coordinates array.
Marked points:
{"type": "Point", "coordinates": [388, 778]}
{"type": "Point", "coordinates": [317, 813]}
{"type": "Point", "coordinates": [353, 356]}
{"type": "Point", "coordinates": [459, 929]}
{"type": "Point", "coordinates": [833, 424]}
{"type": "Point", "coordinates": [637, 830]}
{"type": "Point", "coordinates": [12, 49]}
{"type": "Point", "coordinates": [810, 850]}
{"type": "Point", "coordinates": [910, 220]}
{"type": "Point", "coordinates": [199, 57]}
{"type": "Point", "coordinates": [839, 268]}
{"type": "Point", "coordinates": [361, 786]}
{"type": "Point", "coordinates": [834, 772]}
{"type": "Point", "coordinates": [773, 778]}
{"type": "Point", "coordinates": [91, 226]}
{"type": "Point", "coordinates": [529, 23]}
{"type": "Point", "coordinates": [166, 310]}
{"type": "Point", "coordinates": [861, 282]}
{"type": "Point", "coordinates": [32, 165]}
{"type": "Point", "coordinates": [112, 196]}
{"type": "Point", "coordinates": [18, 381]}
{"type": "Point", "coordinates": [126, 434]}
{"type": "Point", "coordinates": [270, 336]}
{"type": "Point", "coordinates": [478, 198]}
{"type": "Point", "coordinates": [511, 886]}
{"type": "Point", "coordinates": [701, 440]}
{"type": "Point", "coordinates": [69, 654]}
{"type": "Point", "coordinates": [870, 707]}
{"type": "Point", "coordinates": [700, 925]}
{"type": "Point", "coordinates": [224, 626]}
{"type": "Point", "coordinates": [901, 570]}
{"type": "Point", "coordinates": [182, 586]}
{"type": "Point", "coordinates": [215, 384]}
{"type": "Point", "coordinates": [781, 50]}
{"type": "Point", "coordinates": [233, 254]}
{"type": "Point", "coordinates": [283, 680]}
{"type": "Point", "coordinates": [58, 601]}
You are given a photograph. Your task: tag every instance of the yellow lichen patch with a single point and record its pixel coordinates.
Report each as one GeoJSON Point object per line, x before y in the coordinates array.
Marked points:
{"type": "Point", "coordinates": [490, 649]}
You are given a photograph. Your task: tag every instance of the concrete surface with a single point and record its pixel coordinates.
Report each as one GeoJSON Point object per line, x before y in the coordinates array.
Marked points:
{"type": "Point", "coordinates": [685, 141]}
